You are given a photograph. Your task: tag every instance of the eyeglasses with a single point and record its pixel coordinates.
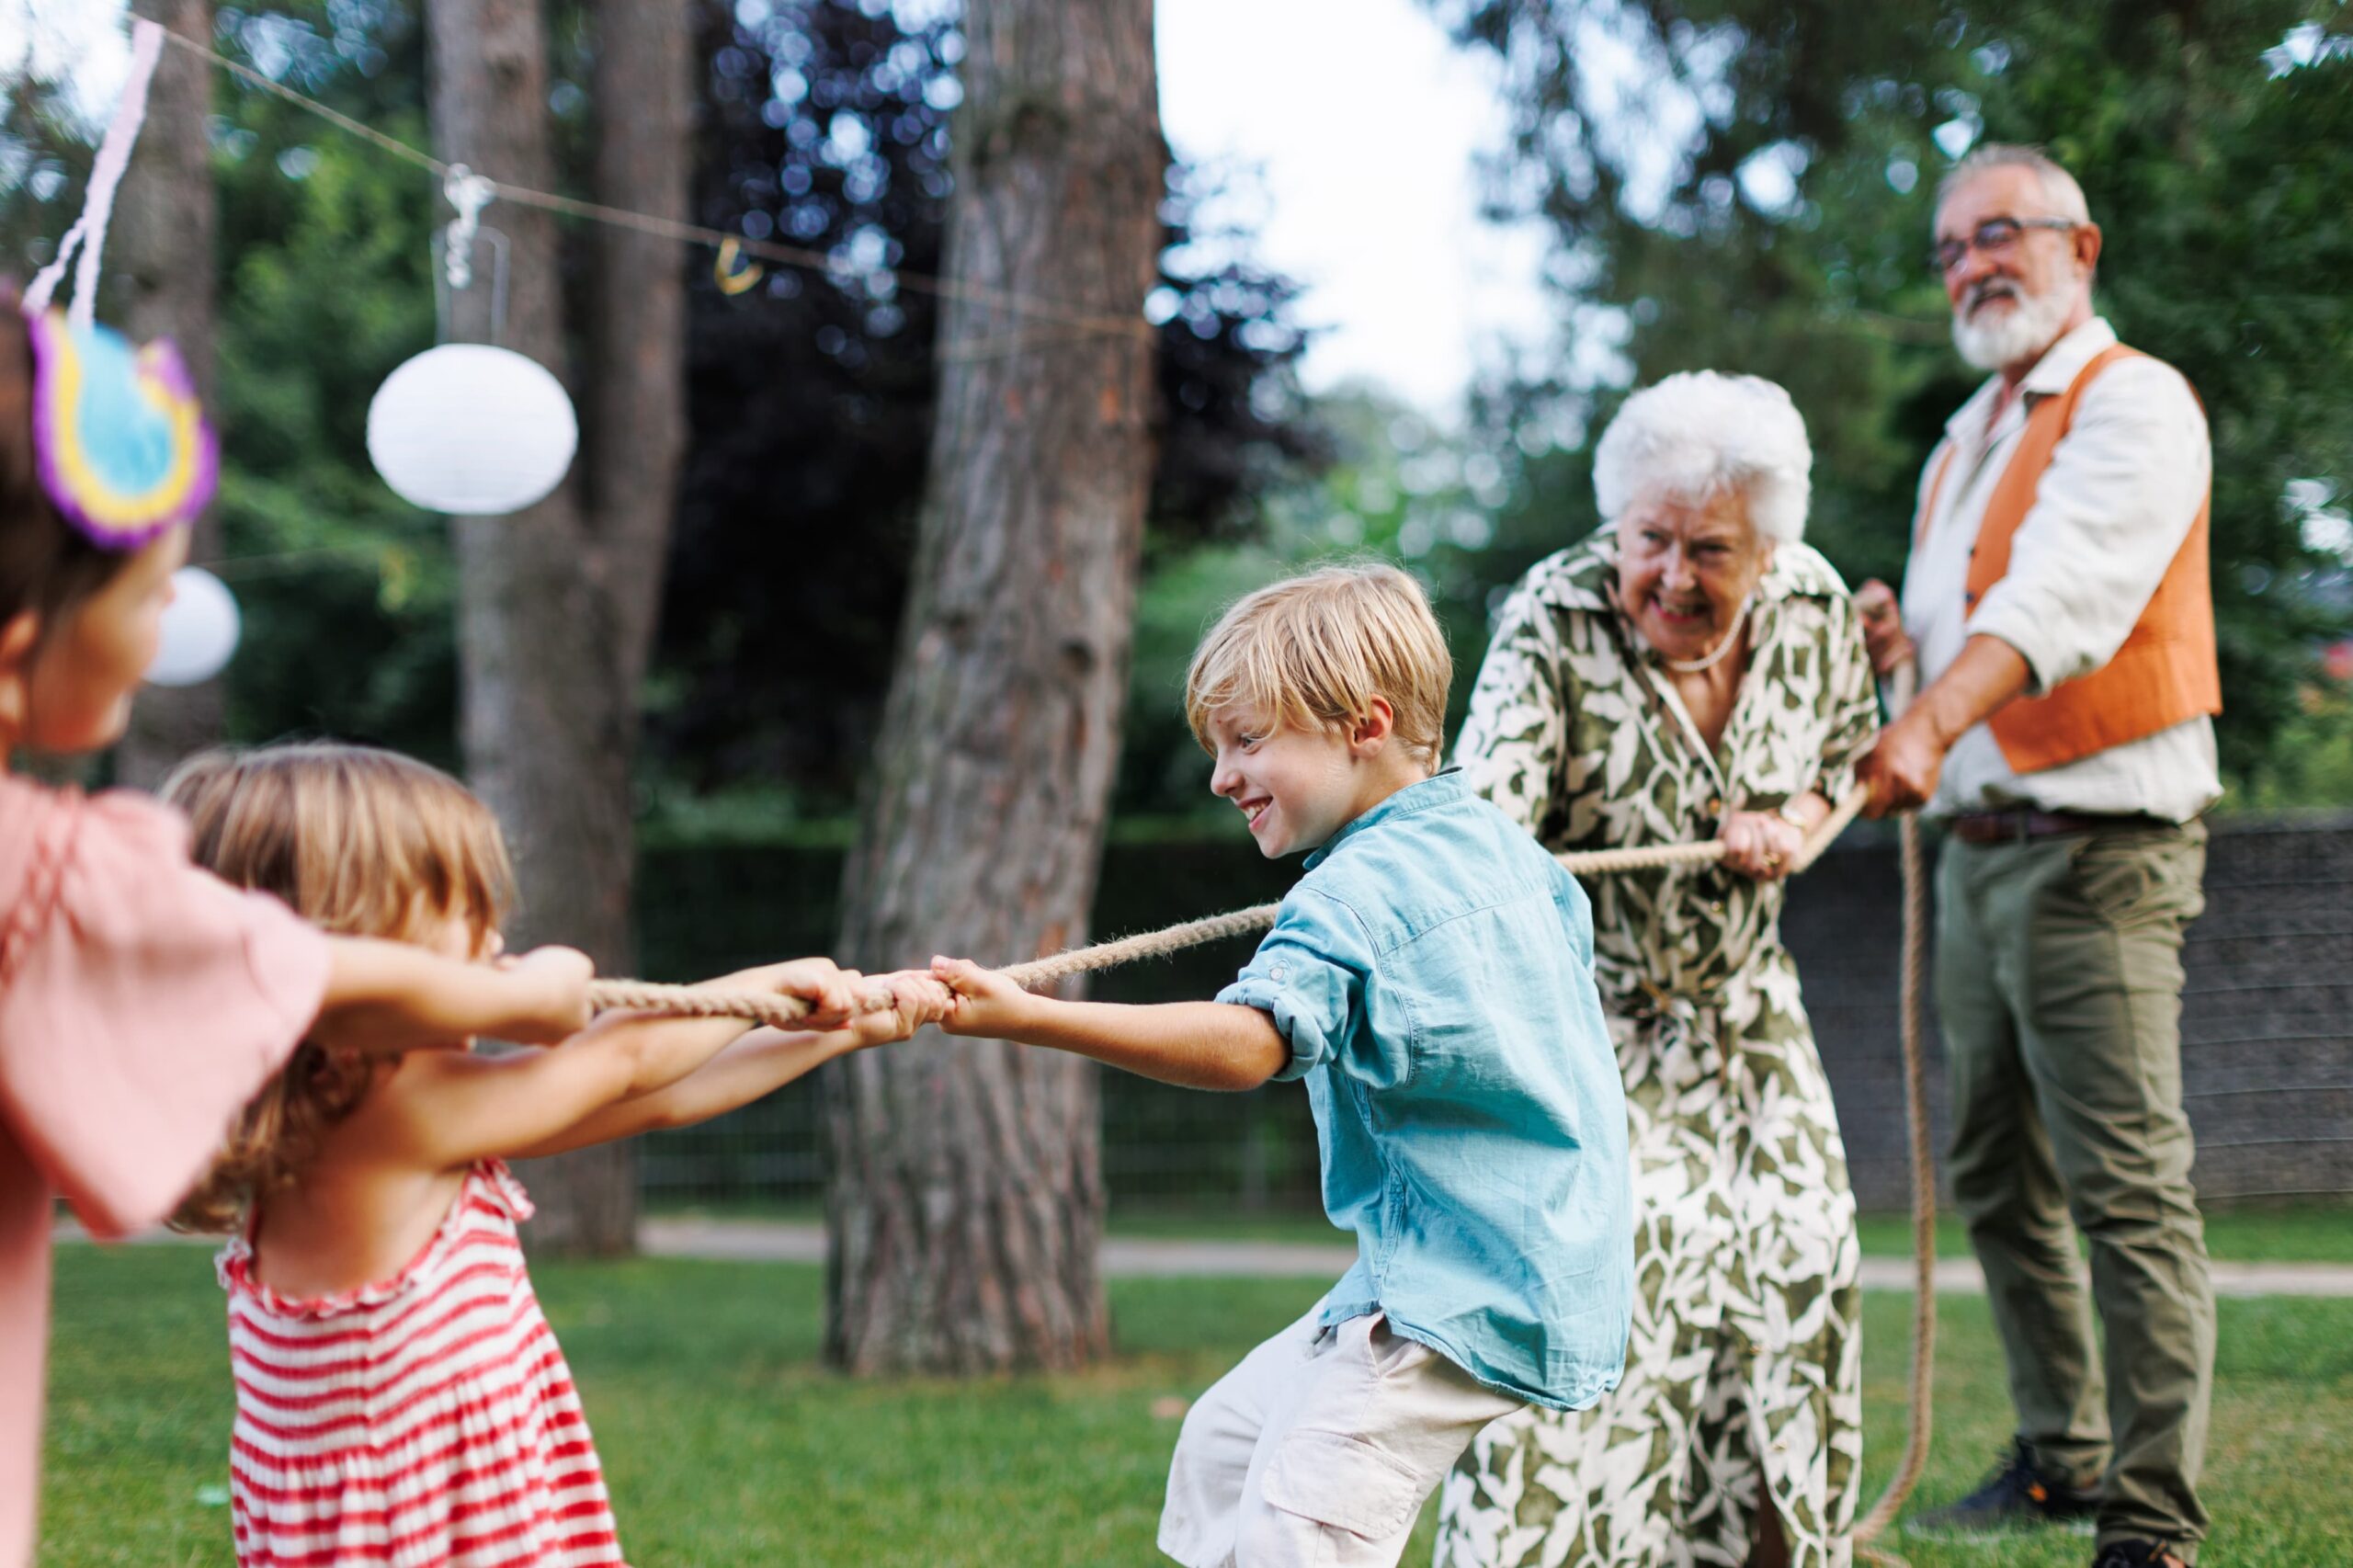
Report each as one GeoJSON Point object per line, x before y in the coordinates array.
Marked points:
{"type": "Point", "coordinates": [1995, 236]}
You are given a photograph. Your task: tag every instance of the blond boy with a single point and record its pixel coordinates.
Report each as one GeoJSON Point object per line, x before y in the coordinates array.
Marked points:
{"type": "Point", "coordinates": [1430, 977]}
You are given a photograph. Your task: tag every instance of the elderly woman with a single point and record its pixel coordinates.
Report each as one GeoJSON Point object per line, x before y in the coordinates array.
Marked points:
{"type": "Point", "coordinates": [1690, 671]}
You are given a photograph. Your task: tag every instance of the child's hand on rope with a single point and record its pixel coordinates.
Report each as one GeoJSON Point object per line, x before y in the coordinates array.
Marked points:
{"type": "Point", "coordinates": [557, 981]}
{"type": "Point", "coordinates": [986, 1002]}
{"type": "Point", "coordinates": [832, 993]}
{"type": "Point", "coordinates": [915, 998]}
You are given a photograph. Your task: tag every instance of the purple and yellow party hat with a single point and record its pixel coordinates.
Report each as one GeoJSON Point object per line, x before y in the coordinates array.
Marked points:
{"type": "Point", "coordinates": [121, 440]}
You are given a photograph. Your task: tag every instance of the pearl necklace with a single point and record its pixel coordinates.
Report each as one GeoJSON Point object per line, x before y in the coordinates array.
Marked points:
{"type": "Point", "coordinates": [1693, 667]}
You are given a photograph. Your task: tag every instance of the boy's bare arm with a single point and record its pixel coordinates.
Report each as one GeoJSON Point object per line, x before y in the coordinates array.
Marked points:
{"type": "Point", "coordinates": [1200, 1045]}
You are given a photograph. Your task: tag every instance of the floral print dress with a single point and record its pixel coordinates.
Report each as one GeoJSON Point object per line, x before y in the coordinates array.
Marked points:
{"type": "Point", "coordinates": [1743, 1372]}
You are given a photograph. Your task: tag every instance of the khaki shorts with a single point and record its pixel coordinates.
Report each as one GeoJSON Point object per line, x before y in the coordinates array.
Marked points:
{"type": "Point", "coordinates": [1319, 1449]}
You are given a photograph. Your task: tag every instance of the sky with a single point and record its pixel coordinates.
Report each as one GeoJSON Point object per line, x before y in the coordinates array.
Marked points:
{"type": "Point", "coordinates": [1348, 131]}
{"type": "Point", "coordinates": [1364, 122]}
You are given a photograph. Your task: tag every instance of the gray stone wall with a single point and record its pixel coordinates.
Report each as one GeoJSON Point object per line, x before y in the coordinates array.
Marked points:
{"type": "Point", "coordinates": [2267, 1013]}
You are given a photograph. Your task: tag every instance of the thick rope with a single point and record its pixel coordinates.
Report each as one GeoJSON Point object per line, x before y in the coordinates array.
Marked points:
{"type": "Point", "coordinates": [1242, 922]}
{"type": "Point", "coordinates": [1924, 1183]}
{"type": "Point", "coordinates": [709, 1001]}
{"type": "Point", "coordinates": [706, 1001]}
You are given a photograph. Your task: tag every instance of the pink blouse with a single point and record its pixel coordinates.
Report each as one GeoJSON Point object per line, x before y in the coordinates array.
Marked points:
{"type": "Point", "coordinates": [141, 1003]}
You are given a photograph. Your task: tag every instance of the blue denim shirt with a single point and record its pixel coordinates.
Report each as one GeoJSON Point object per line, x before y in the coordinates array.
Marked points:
{"type": "Point", "coordinates": [1433, 975]}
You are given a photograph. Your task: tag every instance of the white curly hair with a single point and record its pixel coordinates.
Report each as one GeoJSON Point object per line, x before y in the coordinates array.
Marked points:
{"type": "Point", "coordinates": [1698, 434]}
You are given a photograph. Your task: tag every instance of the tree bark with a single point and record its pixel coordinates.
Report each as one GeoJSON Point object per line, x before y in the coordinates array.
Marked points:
{"type": "Point", "coordinates": [162, 248]}
{"type": "Point", "coordinates": [965, 1207]}
{"type": "Point", "coordinates": [635, 432]}
{"type": "Point", "coordinates": [556, 602]}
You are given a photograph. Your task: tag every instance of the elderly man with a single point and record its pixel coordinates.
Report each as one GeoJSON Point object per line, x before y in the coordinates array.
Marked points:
{"type": "Point", "coordinates": [2057, 598]}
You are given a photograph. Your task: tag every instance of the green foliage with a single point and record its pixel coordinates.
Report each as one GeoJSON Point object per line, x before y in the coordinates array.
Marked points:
{"type": "Point", "coordinates": [2312, 765]}
{"type": "Point", "coordinates": [725, 1443]}
{"type": "Point", "coordinates": [830, 127]}
{"type": "Point", "coordinates": [1397, 487]}
{"type": "Point", "coordinates": [349, 592]}
{"type": "Point", "coordinates": [825, 124]}
{"type": "Point", "coordinates": [1748, 185]}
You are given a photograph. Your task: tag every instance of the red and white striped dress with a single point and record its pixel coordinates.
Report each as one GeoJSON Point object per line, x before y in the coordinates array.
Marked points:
{"type": "Point", "coordinates": [428, 1419]}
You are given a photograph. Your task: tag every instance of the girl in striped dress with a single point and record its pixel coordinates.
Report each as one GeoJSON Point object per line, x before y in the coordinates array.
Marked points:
{"type": "Point", "coordinates": [399, 1398]}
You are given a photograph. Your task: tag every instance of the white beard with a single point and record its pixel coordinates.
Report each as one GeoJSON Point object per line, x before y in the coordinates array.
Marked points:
{"type": "Point", "coordinates": [2025, 331]}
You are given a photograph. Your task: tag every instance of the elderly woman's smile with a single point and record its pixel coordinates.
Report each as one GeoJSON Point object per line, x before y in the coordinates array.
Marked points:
{"type": "Point", "coordinates": [1686, 569]}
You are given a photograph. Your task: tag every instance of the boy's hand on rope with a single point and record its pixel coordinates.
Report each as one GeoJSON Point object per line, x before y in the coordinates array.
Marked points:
{"type": "Point", "coordinates": [915, 997]}
{"type": "Point", "coordinates": [986, 1002]}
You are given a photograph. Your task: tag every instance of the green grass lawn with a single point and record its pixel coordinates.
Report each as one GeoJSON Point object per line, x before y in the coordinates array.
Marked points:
{"type": "Point", "coordinates": [726, 1443]}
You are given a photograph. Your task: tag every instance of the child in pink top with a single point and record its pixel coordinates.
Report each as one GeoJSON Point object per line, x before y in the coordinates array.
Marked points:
{"type": "Point", "coordinates": [399, 1398]}
{"type": "Point", "coordinates": [141, 1000]}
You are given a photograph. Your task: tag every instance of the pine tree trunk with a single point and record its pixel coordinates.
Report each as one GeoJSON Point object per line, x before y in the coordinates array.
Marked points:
{"type": "Point", "coordinates": [549, 688]}
{"type": "Point", "coordinates": [162, 247]}
{"type": "Point", "coordinates": [966, 1202]}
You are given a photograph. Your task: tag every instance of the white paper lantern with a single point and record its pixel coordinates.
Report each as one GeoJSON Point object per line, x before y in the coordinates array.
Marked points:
{"type": "Point", "coordinates": [471, 430]}
{"type": "Point", "coordinates": [199, 629]}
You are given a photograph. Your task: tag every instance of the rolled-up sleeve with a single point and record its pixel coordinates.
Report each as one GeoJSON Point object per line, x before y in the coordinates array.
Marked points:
{"type": "Point", "coordinates": [150, 1005]}
{"type": "Point", "coordinates": [2109, 516]}
{"type": "Point", "coordinates": [1309, 974]}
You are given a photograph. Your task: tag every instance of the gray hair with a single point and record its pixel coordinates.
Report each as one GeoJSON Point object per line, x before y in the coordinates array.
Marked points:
{"type": "Point", "coordinates": [1700, 434]}
{"type": "Point", "coordinates": [2059, 187]}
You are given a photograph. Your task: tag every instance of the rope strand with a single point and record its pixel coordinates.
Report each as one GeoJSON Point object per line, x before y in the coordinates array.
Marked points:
{"type": "Point", "coordinates": [1921, 1423]}
{"type": "Point", "coordinates": [696, 1001]}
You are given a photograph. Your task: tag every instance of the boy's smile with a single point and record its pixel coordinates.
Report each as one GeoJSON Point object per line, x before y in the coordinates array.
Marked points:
{"type": "Point", "coordinates": [1298, 787]}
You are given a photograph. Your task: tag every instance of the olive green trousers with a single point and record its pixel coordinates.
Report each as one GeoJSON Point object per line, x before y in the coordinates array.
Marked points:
{"type": "Point", "coordinates": [2058, 978]}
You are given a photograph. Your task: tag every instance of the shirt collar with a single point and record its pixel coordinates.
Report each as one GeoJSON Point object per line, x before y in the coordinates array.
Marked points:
{"type": "Point", "coordinates": [1441, 789]}
{"type": "Point", "coordinates": [2053, 374]}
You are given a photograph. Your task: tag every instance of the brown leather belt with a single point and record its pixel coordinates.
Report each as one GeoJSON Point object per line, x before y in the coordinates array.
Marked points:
{"type": "Point", "coordinates": [2013, 826]}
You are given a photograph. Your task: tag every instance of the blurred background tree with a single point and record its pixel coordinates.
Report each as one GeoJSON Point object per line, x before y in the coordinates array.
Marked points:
{"type": "Point", "coordinates": [1729, 183]}
{"type": "Point", "coordinates": [1749, 185]}
{"type": "Point", "coordinates": [1726, 183]}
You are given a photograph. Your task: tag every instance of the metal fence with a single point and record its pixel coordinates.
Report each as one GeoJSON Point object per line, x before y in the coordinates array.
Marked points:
{"type": "Point", "coordinates": [2267, 1021]}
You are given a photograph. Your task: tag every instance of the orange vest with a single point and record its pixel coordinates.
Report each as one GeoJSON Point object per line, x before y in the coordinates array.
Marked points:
{"type": "Point", "coordinates": [2164, 674]}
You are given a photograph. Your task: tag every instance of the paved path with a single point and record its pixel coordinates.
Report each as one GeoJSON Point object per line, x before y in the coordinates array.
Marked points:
{"type": "Point", "coordinates": [1132, 1257]}
{"type": "Point", "coordinates": [1139, 1256]}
